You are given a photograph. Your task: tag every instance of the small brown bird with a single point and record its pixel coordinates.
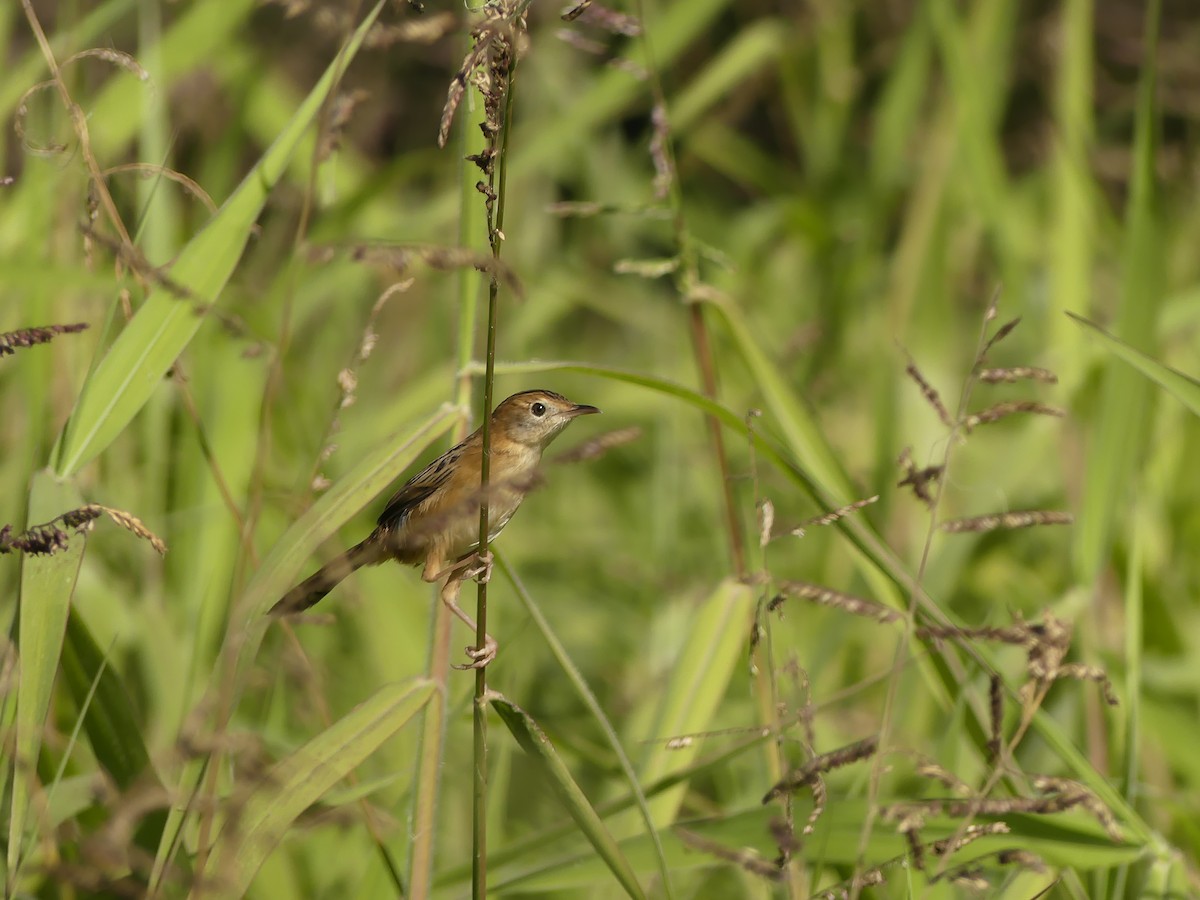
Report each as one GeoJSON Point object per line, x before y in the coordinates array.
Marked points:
{"type": "Point", "coordinates": [434, 518]}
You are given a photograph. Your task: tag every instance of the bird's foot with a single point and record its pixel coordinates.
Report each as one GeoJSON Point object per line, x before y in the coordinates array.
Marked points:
{"type": "Point", "coordinates": [480, 656]}
{"type": "Point", "coordinates": [479, 567]}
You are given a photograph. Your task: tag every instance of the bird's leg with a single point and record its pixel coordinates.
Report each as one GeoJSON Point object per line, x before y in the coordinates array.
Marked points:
{"type": "Point", "coordinates": [471, 565]}
{"type": "Point", "coordinates": [480, 656]}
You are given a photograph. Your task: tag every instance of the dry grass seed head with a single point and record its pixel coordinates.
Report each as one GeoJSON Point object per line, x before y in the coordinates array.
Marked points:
{"type": "Point", "coordinates": [11, 341]}
{"type": "Point", "coordinates": [996, 716]}
{"type": "Point", "coordinates": [918, 479]}
{"type": "Point", "coordinates": [598, 446]}
{"type": "Point", "coordinates": [487, 65]}
{"type": "Point", "coordinates": [1022, 859]}
{"type": "Point", "coordinates": [830, 518]}
{"type": "Point", "coordinates": [601, 17]}
{"type": "Point", "coordinates": [825, 596]}
{"type": "Point", "coordinates": [819, 765]}
{"type": "Point", "coordinates": [1081, 795]}
{"type": "Point", "coordinates": [746, 859]}
{"type": "Point", "coordinates": [929, 393]}
{"type": "Point", "coordinates": [1004, 410]}
{"type": "Point", "coordinates": [1010, 520]}
{"type": "Point", "coordinates": [398, 258]}
{"type": "Point", "coordinates": [1014, 374]}
{"type": "Point", "coordinates": [340, 111]}
{"type": "Point", "coordinates": [425, 30]}
{"type": "Point", "coordinates": [928, 768]}
{"type": "Point", "coordinates": [131, 257]}
{"type": "Point", "coordinates": [1001, 333]}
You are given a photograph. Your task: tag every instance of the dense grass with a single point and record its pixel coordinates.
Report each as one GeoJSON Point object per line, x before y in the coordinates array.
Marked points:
{"type": "Point", "coordinates": [835, 193]}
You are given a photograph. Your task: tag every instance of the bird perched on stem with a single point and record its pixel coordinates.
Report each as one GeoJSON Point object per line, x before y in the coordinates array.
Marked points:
{"type": "Point", "coordinates": [433, 520]}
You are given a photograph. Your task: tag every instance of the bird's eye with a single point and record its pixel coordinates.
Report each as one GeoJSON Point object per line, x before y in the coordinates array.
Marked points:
{"type": "Point", "coordinates": [538, 409]}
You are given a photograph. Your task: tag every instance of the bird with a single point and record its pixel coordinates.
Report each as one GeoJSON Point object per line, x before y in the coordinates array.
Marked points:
{"type": "Point", "coordinates": [433, 520]}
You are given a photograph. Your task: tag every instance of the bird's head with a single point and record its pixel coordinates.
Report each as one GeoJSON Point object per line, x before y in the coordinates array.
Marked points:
{"type": "Point", "coordinates": [535, 418]}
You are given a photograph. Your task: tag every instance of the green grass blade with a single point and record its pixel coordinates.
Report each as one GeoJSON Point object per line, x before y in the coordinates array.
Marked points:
{"type": "Point", "coordinates": [1073, 235]}
{"type": "Point", "coordinates": [47, 583]}
{"type": "Point", "coordinates": [534, 742]}
{"type": "Point", "coordinates": [1183, 388]}
{"type": "Point", "coordinates": [113, 727]}
{"type": "Point", "coordinates": [801, 431]}
{"type": "Point", "coordinates": [134, 366]}
{"type": "Point", "coordinates": [698, 682]}
{"type": "Point", "coordinates": [301, 779]}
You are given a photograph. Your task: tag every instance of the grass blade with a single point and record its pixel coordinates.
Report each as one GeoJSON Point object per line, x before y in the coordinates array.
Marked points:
{"type": "Point", "coordinates": [47, 583]}
{"type": "Point", "coordinates": [299, 780]}
{"type": "Point", "coordinates": [1183, 388]}
{"type": "Point", "coordinates": [534, 742]}
{"type": "Point", "coordinates": [135, 364]}
{"type": "Point", "coordinates": [698, 682]}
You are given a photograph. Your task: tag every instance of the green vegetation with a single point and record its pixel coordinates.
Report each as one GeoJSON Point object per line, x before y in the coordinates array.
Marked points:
{"type": "Point", "coordinates": [854, 588]}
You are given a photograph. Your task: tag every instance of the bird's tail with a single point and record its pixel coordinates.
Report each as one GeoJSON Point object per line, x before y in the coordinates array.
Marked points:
{"type": "Point", "coordinates": [312, 589]}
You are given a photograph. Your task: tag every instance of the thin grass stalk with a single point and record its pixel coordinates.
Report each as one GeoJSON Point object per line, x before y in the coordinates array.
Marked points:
{"type": "Point", "coordinates": [433, 733]}
{"type": "Point", "coordinates": [79, 123]}
{"type": "Point", "coordinates": [497, 182]}
{"type": "Point", "coordinates": [905, 640]}
{"type": "Point", "coordinates": [766, 686]}
{"type": "Point", "coordinates": [1132, 706]}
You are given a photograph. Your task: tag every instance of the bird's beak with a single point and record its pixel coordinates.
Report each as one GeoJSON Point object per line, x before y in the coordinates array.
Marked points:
{"type": "Point", "coordinates": [582, 409]}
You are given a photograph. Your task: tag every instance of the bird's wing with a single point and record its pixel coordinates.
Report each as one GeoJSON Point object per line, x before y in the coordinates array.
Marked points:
{"type": "Point", "coordinates": [420, 487]}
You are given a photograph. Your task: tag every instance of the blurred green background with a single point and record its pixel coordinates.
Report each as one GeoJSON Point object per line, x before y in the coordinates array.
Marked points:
{"type": "Point", "coordinates": [852, 183]}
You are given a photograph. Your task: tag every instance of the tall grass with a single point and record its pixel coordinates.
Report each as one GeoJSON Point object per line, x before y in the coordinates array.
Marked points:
{"type": "Point", "coordinates": [743, 650]}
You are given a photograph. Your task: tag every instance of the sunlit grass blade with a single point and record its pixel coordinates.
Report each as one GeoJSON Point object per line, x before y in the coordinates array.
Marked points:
{"type": "Point", "coordinates": [1183, 388]}
{"type": "Point", "coordinates": [134, 365]}
{"type": "Point", "coordinates": [535, 742]}
{"type": "Point", "coordinates": [1074, 229]}
{"type": "Point", "coordinates": [47, 583]}
{"type": "Point", "coordinates": [302, 778]}
{"type": "Point", "coordinates": [720, 628]}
